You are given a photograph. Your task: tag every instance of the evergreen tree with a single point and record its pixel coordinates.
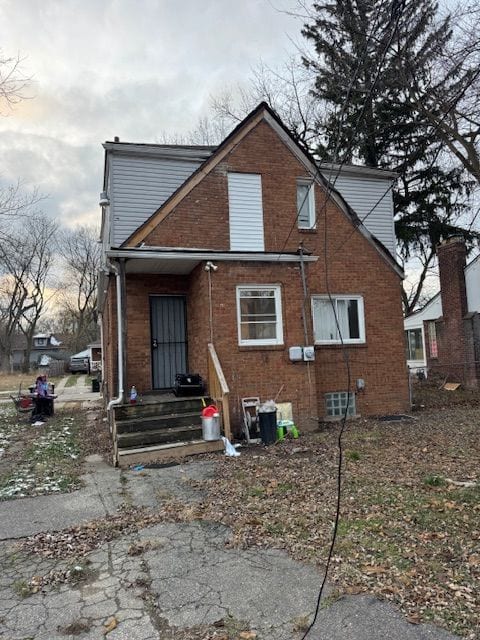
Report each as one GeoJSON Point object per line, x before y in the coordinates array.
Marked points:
{"type": "Point", "coordinates": [365, 50]}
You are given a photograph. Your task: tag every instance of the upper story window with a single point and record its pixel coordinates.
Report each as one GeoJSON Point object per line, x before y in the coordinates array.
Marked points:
{"type": "Point", "coordinates": [259, 312]}
{"type": "Point", "coordinates": [306, 204]}
{"type": "Point", "coordinates": [245, 212]}
{"type": "Point", "coordinates": [40, 342]}
{"type": "Point", "coordinates": [414, 340]}
{"type": "Point", "coordinates": [341, 318]}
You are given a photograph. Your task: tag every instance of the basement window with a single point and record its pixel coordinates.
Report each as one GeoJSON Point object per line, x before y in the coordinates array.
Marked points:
{"type": "Point", "coordinates": [336, 403]}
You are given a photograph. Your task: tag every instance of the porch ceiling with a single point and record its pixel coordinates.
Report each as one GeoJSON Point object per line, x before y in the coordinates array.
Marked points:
{"type": "Point", "coordinates": [180, 266]}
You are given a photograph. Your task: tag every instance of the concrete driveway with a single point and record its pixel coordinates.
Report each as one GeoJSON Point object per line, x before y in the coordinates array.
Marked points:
{"type": "Point", "coordinates": [80, 392]}
{"type": "Point", "coordinates": [177, 581]}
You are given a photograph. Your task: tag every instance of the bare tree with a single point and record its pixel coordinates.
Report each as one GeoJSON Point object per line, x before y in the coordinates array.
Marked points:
{"type": "Point", "coordinates": [13, 82]}
{"type": "Point", "coordinates": [81, 254]}
{"type": "Point", "coordinates": [450, 100]}
{"type": "Point", "coordinates": [287, 90]}
{"type": "Point", "coordinates": [41, 243]}
{"type": "Point", "coordinates": [26, 260]}
{"type": "Point", "coordinates": [15, 203]}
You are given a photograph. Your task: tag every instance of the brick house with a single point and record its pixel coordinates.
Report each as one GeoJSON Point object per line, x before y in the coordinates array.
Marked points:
{"type": "Point", "coordinates": [444, 336]}
{"type": "Point", "coordinates": [234, 253]}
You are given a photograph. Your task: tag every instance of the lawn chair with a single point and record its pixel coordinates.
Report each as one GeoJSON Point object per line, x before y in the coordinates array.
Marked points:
{"type": "Point", "coordinates": [250, 419]}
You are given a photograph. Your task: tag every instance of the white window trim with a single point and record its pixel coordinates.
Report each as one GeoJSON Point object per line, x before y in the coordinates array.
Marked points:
{"type": "Point", "coordinates": [311, 204]}
{"type": "Point", "coordinates": [278, 312]}
{"type": "Point", "coordinates": [361, 318]}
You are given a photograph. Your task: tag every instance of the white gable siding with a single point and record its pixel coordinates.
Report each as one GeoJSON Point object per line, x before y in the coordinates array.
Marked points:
{"type": "Point", "coordinates": [472, 284]}
{"type": "Point", "coordinates": [362, 193]}
{"type": "Point", "coordinates": [431, 311]}
{"type": "Point", "coordinates": [139, 186]}
{"type": "Point", "coordinates": [246, 212]}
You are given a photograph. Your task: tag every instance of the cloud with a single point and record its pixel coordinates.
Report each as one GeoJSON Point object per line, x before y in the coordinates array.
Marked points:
{"type": "Point", "coordinates": [138, 70]}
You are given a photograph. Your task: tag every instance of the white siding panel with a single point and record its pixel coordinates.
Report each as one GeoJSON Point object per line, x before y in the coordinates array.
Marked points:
{"type": "Point", "coordinates": [139, 186]}
{"type": "Point", "coordinates": [246, 212]}
{"type": "Point", "coordinates": [362, 194]}
{"type": "Point", "coordinates": [472, 283]}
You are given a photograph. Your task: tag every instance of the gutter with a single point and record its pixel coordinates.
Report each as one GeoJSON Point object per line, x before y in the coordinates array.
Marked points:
{"type": "Point", "coordinates": [199, 255]}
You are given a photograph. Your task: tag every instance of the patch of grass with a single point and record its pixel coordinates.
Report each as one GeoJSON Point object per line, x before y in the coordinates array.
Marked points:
{"type": "Point", "coordinates": [434, 480]}
{"type": "Point", "coordinates": [274, 528]}
{"type": "Point", "coordinates": [71, 381]}
{"type": "Point", "coordinates": [286, 487]}
{"type": "Point", "coordinates": [256, 491]}
{"type": "Point", "coordinates": [48, 464]}
{"type": "Point", "coordinates": [301, 623]}
{"type": "Point", "coordinates": [353, 456]}
{"type": "Point", "coordinates": [22, 588]}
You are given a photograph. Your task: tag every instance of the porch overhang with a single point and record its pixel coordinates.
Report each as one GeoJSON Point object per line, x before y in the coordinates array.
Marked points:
{"type": "Point", "coordinates": [183, 261]}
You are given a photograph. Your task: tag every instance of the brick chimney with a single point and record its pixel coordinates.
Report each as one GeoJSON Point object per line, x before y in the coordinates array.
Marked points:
{"type": "Point", "coordinates": [452, 259]}
{"type": "Point", "coordinates": [454, 348]}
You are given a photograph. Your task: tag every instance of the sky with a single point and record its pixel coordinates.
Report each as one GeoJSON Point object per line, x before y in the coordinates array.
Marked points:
{"type": "Point", "coordinates": [137, 69]}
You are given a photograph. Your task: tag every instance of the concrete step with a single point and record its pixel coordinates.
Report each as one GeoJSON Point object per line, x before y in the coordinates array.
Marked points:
{"type": "Point", "coordinates": [174, 450]}
{"type": "Point", "coordinates": [159, 436]}
{"type": "Point", "coordinates": [157, 422]}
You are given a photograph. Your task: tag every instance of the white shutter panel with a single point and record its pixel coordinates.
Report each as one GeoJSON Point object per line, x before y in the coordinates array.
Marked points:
{"type": "Point", "coordinates": [246, 212]}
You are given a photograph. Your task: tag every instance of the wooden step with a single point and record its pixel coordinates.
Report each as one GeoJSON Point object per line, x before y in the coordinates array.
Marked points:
{"type": "Point", "coordinates": [157, 422]}
{"type": "Point", "coordinates": [174, 450]}
{"type": "Point", "coordinates": [160, 407]}
{"type": "Point", "coordinates": [159, 436]}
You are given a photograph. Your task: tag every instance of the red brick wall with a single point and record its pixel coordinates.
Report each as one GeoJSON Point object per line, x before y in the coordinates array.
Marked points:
{"type": "Point", "coordinates": [354, 267]}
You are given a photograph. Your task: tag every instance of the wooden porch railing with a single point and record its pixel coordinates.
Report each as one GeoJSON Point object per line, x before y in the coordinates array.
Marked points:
{"type": "Point", "coordinates": [218, 388]}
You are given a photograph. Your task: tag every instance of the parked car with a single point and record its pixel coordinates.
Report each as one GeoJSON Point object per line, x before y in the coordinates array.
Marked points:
{"type": "Point", "coordinates": [80, 363]}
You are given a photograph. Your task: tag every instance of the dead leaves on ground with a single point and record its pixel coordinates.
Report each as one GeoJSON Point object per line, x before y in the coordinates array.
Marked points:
{"type": "Point", "coordinates": [406, 534]}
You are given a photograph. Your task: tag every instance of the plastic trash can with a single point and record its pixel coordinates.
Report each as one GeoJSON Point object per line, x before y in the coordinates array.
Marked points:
{"type": "Point", "coordinates": [95, 385]}
{"type": "Point", "coordinates": [268, 426]}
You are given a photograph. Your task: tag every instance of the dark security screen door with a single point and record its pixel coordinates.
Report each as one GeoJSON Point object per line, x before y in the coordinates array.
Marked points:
{"type": "Point", "coordinates": [169, 339]}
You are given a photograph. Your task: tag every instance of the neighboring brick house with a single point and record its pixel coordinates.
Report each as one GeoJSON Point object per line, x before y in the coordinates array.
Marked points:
{"type": "Point", "coordinates": [247, 208]}
{"type": "Point", "coordinates": [444, 336]}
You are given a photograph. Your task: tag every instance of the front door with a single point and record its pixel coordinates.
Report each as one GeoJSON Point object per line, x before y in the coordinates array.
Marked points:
{"type": "Point", "coordinates": [169, 339]}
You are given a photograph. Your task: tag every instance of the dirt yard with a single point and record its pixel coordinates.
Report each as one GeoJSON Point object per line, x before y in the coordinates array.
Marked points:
{"type": "Point", "coordinates": [410, 504]}
{"type": "Point", "coordinates": [410, 510]}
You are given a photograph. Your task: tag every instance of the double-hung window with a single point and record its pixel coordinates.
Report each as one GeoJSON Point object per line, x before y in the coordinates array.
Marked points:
{"type": "Point", "coordinates": [259, 312]}
{"type": "Point", "coordinates": [305, 204]}
{"type": "Point", "coordinates": [339, 318]}
{"type": "Point", "coordinates": [414, 343]}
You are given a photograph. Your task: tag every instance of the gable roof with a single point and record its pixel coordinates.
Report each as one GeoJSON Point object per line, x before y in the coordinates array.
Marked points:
{"type": "Point", "coordinates": [261, 112]}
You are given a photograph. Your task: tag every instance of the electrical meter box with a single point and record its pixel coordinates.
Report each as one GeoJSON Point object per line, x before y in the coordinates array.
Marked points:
{"type": "Point", "coordinates": [295, 354]}
{"type": "Point", "coordinates": [309, 354]}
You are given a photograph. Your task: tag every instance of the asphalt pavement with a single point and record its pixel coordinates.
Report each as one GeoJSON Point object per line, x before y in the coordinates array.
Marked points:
{"type": "Point", "coordinates": [184, 579]}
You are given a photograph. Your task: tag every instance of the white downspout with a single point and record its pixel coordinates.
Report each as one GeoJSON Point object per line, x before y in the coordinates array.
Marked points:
{"type": "Point", "coordinates": [121, 391]}
{"type": "Point", "coordinates": [102, 360]}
